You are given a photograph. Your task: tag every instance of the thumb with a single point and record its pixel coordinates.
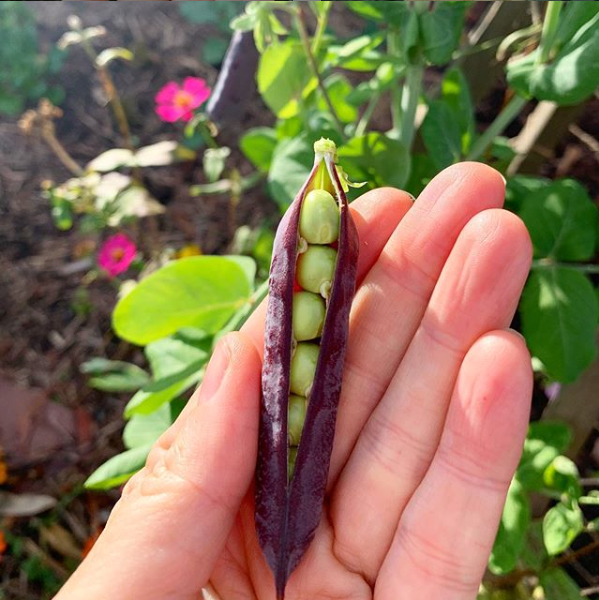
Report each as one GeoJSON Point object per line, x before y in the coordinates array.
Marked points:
{"type": "Point", "coordinates": [171, 524]}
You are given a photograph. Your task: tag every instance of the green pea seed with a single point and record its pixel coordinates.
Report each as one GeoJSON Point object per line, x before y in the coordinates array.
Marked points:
{"type": "Point", "coordinates": [296, 417]}
{"type": "Point", "coordinates": [308, 316]}
{"type": "Point", "coordinates": [316, 268]}
{"type": "Point", "coordinates": [319, 219]}
{"type": "Point", "coordinates": [303, 367]}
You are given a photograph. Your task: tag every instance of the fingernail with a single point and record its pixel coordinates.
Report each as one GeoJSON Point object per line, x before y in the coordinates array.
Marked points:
{"type": "Point", "coordinates": [215, 372]}
{"type": "Point", "coordinates": [516, 332]}
{"type": "Point", "coordinates": [412, 197]}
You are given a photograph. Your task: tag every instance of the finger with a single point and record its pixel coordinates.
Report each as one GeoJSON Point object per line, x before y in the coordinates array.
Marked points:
{"type": "Point", "coordinates": [446, 534]}
{"type": "Point", "coordinates": [376, 215]}
{"type": "Point", "coordinates": [167, 531]}
{"type": "Point", "coordinates": [390, 303]}
{"type": "Point", "coordinates": [477, 292]}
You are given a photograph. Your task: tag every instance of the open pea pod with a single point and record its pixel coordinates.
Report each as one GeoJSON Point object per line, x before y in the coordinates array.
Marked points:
{"type": "Point", "coordinates": [291, 479]}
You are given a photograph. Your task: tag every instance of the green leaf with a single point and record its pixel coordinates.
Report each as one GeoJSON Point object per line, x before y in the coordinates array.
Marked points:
{"type": "Point", "coordinates": [441, 134]}
{"type": "Point", "coordinates": [561, 525]}
{"type": "Point", "coordinates": [376, 159]}
{"type": "Point", "coordinates": [118, 469]}
{"type": "Point", "coordinates": [455, 93]}
{"type": "Point", "coordinates": [284, 78]}
{"type": "Point", "coordinates": [562, 475]}
{"type": "Point", "coordinates": [422, 171]}
{"type": "Point", "coordinates": [199, 291]}
{"type": "Point", "coordinates": [163, 390]}
{"type": "Point", "coordinates": [559, 320]}
{"type": "Point", "coordinates": [113, 375]}
{"type": "Point", "coordinates": [174, 354]}
{"type": "Point", "coordinates": [258, 145]}
{"type": "Point", "coordinates": [109, 54]}
{"type": "Point", "coordinates": [214, 162]}
{"type": "Point", "coordinates": [562, 221]}
{"type": "Point", "coordinates": [520, 188]}
{"type": "Point", "coordinates": [534, 555]}
{"type": "Point", "coordinates": [511, 535]}
{"type": "Point", "coordinates": [214, 50]}
{"type": "Point", "coordinates": [393, 13]}
{"type": "Point", "coordinates": [358, 54]}
{"type": "Point", "coordinates": [544, 442]}
{"type": "Point", "coordinates": [339, 88]}
{"type": "Point", "coordinates": [293, 159]}
{"type": "Point", "coordinates": [570, 77]}
{"type": "Point", "coordinates": [144, 430]}
{"type": "Point", "coordinates": [440, 30]}
{"type": "Point", "coordinates": [556, 583]}
{"type": "Point", "coordinates": [244, 22]}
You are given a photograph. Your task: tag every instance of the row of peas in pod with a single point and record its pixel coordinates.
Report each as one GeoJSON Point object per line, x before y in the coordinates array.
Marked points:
{"type": "Point", "coordinates": [315, 268]}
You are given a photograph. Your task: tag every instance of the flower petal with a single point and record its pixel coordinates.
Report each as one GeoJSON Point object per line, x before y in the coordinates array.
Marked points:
{"type": "Point", "coordinates": [198, 89]}
{"type": "Point", "coordinates": [167, 93]}
{"type": "Point", "coordinates": [169, 113]}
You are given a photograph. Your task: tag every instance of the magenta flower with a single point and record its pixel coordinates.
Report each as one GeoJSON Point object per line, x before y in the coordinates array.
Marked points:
{"type": "Point", "coordinates": [116, 254]}
{"type": "Point", "coordinates": [175, 102]}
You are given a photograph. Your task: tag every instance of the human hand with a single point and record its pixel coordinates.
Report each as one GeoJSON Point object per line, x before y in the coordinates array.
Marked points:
{"type": "Point", "coordinates": [433, 413]}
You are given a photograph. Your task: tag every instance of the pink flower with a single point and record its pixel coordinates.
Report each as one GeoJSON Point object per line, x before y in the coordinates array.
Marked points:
{"type": "Point", "coordinates": [116, 254]}
{"type": "Point", "coordinates": [175, 102]}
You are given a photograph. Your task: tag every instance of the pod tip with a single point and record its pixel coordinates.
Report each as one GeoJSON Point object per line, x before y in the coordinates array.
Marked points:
{"type": "Point", "coordinates": [325, 146]}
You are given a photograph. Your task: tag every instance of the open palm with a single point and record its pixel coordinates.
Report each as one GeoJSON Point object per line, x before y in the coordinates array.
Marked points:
{"type": "Point", "coordinates": [432, 417]}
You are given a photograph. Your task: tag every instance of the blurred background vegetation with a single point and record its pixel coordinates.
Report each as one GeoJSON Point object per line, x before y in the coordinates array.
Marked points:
{"type": "Point", "coordinates": [133, 153]}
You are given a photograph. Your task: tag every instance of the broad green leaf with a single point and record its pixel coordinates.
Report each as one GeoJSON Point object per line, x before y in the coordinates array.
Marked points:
{"type": "Point", "coordinates": [293, 159]}
{"type": "Point", "coordinates": [376, 159]}
{"type": "Point", "coordinates": [144, 430]}
{"type": "Point", "coordinates": [118, 469]}
{"type": "Point", "coordinates": [572, 18]}
{"type": "Point", "coordinates": [339, 88]}
{"type": "Point", "coordinates": [569, 77]}
{"type": "Point", "coordinates": [173, 354]}
{"type": "Point", "coordinates": [559, 320]}
{"type": "Point", "coordinates": [422, 171]}
{"type": "Point", "coordinates": [284, 78]}
{"type": "Point", "coordinates": [248, 266]}
{"type": "Point", "coordinates": [258, 145]}
{"type": "Point", "coordinates": [562, 475]}
{"type": "Point", "coordinates": [534, 555]}
{"type": "Point", "coordinates": [113, 375]}
{"type": "Point", "coordinates": [511, 535]}
{"type": "Point", "coordinates": [440, 30]}
{"type": "Point", "coordinates": [165, 389]}
{"type": "Point", "coordinates": [441, 134]}
{"type": "Point", "coordinates": [561, 525]}
{"type": "Point", "coordinates": [393, 13]}
{"type": "Point", "coordinates": [358, 54]}
{"type": "Point", "coordinates": [199, 291]}
{"type": "Point", "coordinates": [544, 442]}
{"type": "Point", "coordinates": [556, 583]}
{"type": "Point", "coordinates": [456, 94]}
{"type": "Point", "coordinates": [520, 188]}
{"type": "Point", "coordinates": [562, 221]}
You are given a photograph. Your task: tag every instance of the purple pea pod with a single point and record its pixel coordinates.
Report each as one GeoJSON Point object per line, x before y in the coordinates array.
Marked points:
{"type": "Point", "coordinates": [291, 480]}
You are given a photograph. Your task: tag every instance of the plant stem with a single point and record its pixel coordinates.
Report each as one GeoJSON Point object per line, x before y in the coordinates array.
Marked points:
{"type": "Point", "coordinates": [301, 26]}
{"type": "Point", "coordinates": [111, 93]}
{"type": "Point", "coordinates": [393, 49]}
{"type": "Point", "coordinates": [409, 103]}
{"type": "Point", "coordinates": [550, 24]}
{"type": "Point", "coordinates": [65, 158]}
{"type": "Point", "coordinates": [546, 263]}
{"type": "Point", "coordinates": [503, 119]}
{"type": "Point", "coordinates": [321, 26]}
{"type": "Point", "coordinates": [366, 116]}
